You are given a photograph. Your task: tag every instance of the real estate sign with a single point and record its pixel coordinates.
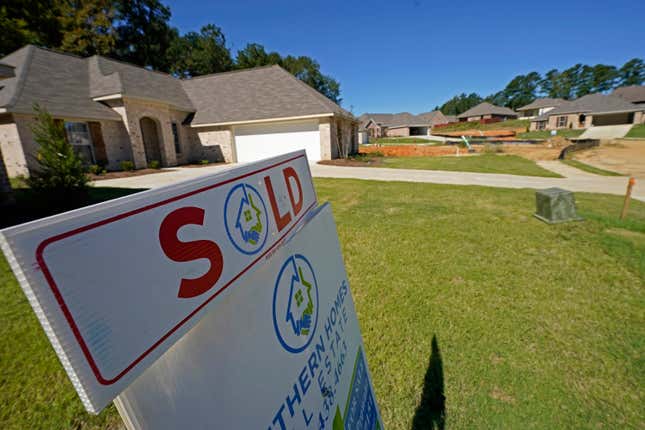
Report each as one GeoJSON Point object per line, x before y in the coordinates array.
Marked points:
{"type": "Point", "coordinates": [282, 351]}
{"type": "Point", "coordinates": [117, 284]}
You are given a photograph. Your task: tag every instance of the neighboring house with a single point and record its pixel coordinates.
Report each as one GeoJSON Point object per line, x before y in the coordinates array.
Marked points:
{"type": "Point", "coordinates": [539, 107]}
{"type": "Point", "coordinates": [633, 94]}
{"type": "Point", "coordinates": [451, 118]}
{"type": "Point", "coordinates": [6, 196]}
{"type": "Point", "coordinates": [400, 124]}
{"type": "Point", "coordinates": [114, 111]}
{"type": "Point", "coordinates": [590, 110]}
{"type": "Point", "coordinates": [487, 111]}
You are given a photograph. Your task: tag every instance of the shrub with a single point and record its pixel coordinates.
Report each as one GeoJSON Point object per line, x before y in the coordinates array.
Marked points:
{"type": "Point", "coordinates": [60, 179]}
{"type": "Point", "coordinates": [491, 148]}
{"type": "Point", "coordinates": [204, 162]}
{"type": "Point", "coordinates": [127, 165]}
{"type": "Point", "coordinates": [154, 164]}
{"type": "Point", "coordinates": [95, 169]}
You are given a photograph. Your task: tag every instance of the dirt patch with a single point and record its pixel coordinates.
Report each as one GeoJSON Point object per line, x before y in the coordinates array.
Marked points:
{"type": "Point", "coordinates": [538, 151]}
{"type": "Point", "coordinates": [127, 174]}
{"type": "Point", "coordinates": [413, 150]}
{"type": "Point", "coordinates": [621, 156]}
{"type": "Point", "coordinates": [480, 133]}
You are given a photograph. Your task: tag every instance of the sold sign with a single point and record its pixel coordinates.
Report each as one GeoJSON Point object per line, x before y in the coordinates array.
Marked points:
{"type": "Point", "coordinates": [116, 284]}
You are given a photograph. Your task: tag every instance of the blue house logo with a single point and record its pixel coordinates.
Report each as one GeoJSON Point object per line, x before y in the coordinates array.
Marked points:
{"type": "Point", "coordinates": [295, 303]}
{"type": "Point", "coordinates": [246, 219]}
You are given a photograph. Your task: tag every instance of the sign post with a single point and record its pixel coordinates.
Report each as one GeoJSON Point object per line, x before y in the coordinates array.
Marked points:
{"type": "Point", "coordinates": [206, 303]}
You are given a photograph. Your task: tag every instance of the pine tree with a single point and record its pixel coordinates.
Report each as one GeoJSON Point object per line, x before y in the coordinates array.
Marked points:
{"type": "Point", "coordinates": [60, 178]}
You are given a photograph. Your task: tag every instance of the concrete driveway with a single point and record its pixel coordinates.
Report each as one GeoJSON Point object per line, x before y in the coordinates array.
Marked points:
{"type": "Point", "coordinates": [575, 180]}
{"type": "Point", "coordinates": [606, 132]}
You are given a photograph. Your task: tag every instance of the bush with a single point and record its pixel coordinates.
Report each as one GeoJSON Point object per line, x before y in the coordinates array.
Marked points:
{"type": "Point", "coordinates": [127, 165]}
{"type": "Point", "coordinates": [491, 148]}
{"type": "Point", "coordinates": [154, 164]}
{"type": "Point", "coordinates": [60, 180]}
{"type": "Point", "coordinates": [95, 169]}
{"type": "Point", "coordinates": [204, 162]}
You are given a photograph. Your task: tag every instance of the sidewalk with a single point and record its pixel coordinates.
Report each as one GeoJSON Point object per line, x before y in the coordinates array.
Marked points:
{"type": "Point", "coordinates": [575, 180]}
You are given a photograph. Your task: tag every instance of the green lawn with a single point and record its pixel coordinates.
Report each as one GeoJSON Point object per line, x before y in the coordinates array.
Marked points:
{"type": "Point", "coordinates": [588, 168]}
{"type": "Point", "coordinates": [545, 134]}
{"type": "Point", "coordinates": [473, 125]}
{"type": "Point", "coordinates": [536, 326]}
{"type": "Point", "coordinates": [404, 141]}
{"type": "Point", "coordinates": [637, 131]}
{"type": "Point", "coordinates": [484, 163]}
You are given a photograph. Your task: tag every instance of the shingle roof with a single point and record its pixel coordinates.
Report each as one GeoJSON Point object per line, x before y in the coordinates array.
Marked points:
{"type": "Point", "coordinates": [109, 76]}
{"type": "Point", "coordinates": [632, 93]}
{"type": "Point", "coordinates": [486, 108]}
{"type": "Point", "coordinates": [451, 118]}
{"type": "Point", "coordinates": [542, 103]}
{"type": "Point", "coordinates": [404, 119]}
{"type": "Point", "coordinates": [65, 85]}
{"type": "Point", "coordinates": [6, 71]}
{"type": "Point", "coordinates": [254, 94]}
{"type": "Point", "coordinates": [57, 82]}
{"type": "Point", "coordinates": [596, 103]}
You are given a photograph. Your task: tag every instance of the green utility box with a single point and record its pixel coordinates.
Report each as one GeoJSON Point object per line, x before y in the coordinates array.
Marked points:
{"type": "Point", "coordinates": [555, 205]}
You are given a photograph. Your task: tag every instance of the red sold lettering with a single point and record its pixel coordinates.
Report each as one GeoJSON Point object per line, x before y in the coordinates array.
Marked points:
{"type": "Point", "coordinates": [290, 173]}
{"type": "Point", "coordinates": [180, 251]}
{"type": "Point", "coordinates": [281, 220]}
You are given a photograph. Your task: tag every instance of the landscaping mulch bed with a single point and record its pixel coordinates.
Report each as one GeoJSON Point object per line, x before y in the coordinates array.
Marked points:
{"type": "Point", "coordinates": [126, 174]}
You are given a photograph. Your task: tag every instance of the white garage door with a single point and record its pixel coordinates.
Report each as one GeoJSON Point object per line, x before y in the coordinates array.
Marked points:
{"type": "Point", "coordinates": [255, 142]}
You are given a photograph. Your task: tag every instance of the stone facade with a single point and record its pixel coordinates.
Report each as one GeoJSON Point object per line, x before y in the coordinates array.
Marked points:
{"type": "Point", "coordinates": [398, 132]}
{"type": "Point", "coordinates": [6, 196]}
{"type": "Point", "coordinates": [213, 144]}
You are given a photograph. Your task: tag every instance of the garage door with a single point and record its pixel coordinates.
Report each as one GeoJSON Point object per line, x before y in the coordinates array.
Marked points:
{"type": "Point", "coordinates": [256, 142]}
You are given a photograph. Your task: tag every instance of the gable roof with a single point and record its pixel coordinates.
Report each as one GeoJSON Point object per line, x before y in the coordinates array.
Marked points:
{"type": "Point", "coordinates": [632, 93]}
{"type": "Point", "coordinates": [542, 103]}
{"type": "Point", "coordinates": [268, 92]}
{"type": "Point", "coordinates": [108, 77]}
{"type": "Point", "coordinates": [6, 71]}
{"type": "Point", "coordinates": [596, 103]}
{"type": "Point", "coordinates": [66, 85]}
{"type": "Point", "coordinates": [486, 108]}
{"type": "Point", "coordinates": [403, 119]}
{"type": "Point", "coordinates": [57, 82]}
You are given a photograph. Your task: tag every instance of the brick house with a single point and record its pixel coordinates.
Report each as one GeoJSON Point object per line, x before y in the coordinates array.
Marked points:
{"type": "Point", "coordinates": [400, 124]}
{"type": "Point", "coordinates": [590, 110]}
{"type": "Point", "coordinates": [487, 111]}
{"type": "Point", "coordinates": [115, 111]}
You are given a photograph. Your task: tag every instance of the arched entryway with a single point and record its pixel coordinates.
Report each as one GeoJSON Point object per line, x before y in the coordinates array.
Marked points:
{"type": "Point", "coordinates": [151, 139]}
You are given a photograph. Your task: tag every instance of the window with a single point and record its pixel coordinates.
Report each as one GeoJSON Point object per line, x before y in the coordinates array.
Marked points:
{"type": "Point", "coordinates": [78, 135]}
{"type": "Point", "coordinates": [540, 125]}
{"type": "Point", "coordinates": [562, 121]}
{"type": "Point", "coordinates": [175, 137]}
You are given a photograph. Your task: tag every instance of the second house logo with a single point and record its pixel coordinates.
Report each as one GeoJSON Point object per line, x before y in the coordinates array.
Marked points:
{"type": "Point", "coordinates": [295, 303]}
{"type": "Point", "coordinates": [246, 219]}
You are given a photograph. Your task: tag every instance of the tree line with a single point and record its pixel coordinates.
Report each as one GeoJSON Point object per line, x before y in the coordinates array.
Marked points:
{"type": "Point", "coordinates": [574, 82]}
{"type": "Point", "coordinates": [139, 32]}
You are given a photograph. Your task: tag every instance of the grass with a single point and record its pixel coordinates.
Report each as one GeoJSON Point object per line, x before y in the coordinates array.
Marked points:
{"type": "Point", "coordinates": [637, 131]}
{"type": "Point", "coordinates": [404, 141]}
{"type": "Point", "coordinates": [475, 125]}
{"type": "Point", "coordinates": [484, 163]}
{"type": "Point", "coordinates": [588, 168]}
{"type": "Point", "coordinates": [545, 134]}
{"type": "Point", "coordinates": [535, 326]}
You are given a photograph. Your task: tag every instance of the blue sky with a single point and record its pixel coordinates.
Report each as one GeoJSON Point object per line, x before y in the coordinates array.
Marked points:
{"type": "Point", "coordinates": [413, 55]}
